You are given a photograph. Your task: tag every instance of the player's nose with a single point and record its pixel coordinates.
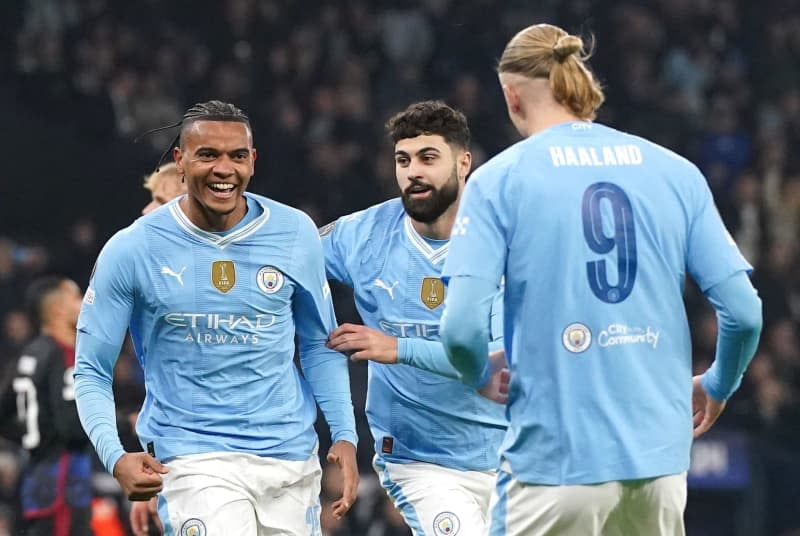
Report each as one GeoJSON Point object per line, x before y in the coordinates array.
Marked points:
{"type": "Point", "coordinates": [224, 168]}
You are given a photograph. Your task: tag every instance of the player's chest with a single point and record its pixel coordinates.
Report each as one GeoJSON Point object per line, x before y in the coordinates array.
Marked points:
{"type": "Point", "coordinates": [405, 286]}
{"type": "Point", "coordinates": [214, 278]}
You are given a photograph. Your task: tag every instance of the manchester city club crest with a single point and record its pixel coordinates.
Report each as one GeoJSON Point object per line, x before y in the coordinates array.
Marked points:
{"type": "Point", "coordinates": [576, 338]}
{"type": "Point", "coordinates": [269, 279]}
{"type": "Point", "coordinates": [446, 524]}
{"type": "Point", "coordinates": [432, 292]}
{"type": "Point", "coordinates": [193, 527]}
{"type": "Point", "coordinates": [223, 275]}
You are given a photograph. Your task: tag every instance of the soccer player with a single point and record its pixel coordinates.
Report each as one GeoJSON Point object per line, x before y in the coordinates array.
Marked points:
{"type": "Point", "coordinates": [56, 489]}
{"type": "Point", "coordinates": [594, 230]}
{"type": "Point", "coordinates": [213, 289]}
{"type": "Point", "coordinates": [436, 440]}
{"type": "Point", "coordinates": [164, 184]}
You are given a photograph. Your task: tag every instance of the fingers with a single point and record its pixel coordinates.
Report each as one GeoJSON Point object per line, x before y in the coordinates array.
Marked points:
{"type": "Point", "coordinates": [152, 509]}
{"type": "Point", "coordinates": [505, 379]}
{"type": "Point", "coordinates": [703, 427]}
{"type": "Point", "coordinates": [349, 494]}
{"type": "Point", "coordinates": [344, 329]}
{"type": "Point", "coordinates": [340, 508]}
{"type": "Point", "coordinates": [154, 465]}
{"type": "Point", "coordinates": [138, 519]}
{"type": "Point", "coordinates": [346, 343]}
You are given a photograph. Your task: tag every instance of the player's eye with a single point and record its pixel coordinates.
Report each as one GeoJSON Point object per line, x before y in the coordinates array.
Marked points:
{"type": "Point", "coordinates": [401, 161]}
{"type": "Point", "coordinates": [206, 155]}
{"type": "Point", "coordinates": [241, 155]}
{"type": "Point", "coordinates": [428, 158]}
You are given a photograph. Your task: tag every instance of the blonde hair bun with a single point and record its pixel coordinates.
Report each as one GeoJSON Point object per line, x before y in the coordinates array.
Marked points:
{"type": "Point", "coordinates": [566, 46]}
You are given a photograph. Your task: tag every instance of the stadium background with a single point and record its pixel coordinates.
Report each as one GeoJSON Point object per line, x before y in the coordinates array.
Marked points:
{"type": "Point", "coordinates": [716, 80]}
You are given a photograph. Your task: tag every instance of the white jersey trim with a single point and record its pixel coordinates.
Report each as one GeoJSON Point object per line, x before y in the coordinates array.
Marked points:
{"type": "Point", "coordinates": [220, 241]}
{"type": "Point", "coordinates": [434, 256]}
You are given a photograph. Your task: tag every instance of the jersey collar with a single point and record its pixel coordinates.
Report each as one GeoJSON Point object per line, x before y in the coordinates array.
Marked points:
{"type": "Point", "coordinates": [434, 256]}
{"type": "Point", "coordinates": [214, 239]}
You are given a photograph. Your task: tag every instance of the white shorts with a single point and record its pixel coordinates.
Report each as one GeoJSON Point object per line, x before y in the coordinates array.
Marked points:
{"type": "Point", "coordinates": [238, 494]}
{"type": "Point", "coordinates": [436, 500]}
{"type": "Point", "coordinates": [651, 506]}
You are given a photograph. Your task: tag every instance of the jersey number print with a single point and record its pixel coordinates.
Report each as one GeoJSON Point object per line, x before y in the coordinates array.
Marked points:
{"type": "Point", "coordinates": [618, 207]}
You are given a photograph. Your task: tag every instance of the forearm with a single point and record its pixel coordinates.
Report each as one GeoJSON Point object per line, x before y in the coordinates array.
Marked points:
{"type": "Point", "coordinates": [465, 330]}
{"type": "Point", "coordinates": [739, 327]}
{"type": "Point", "coordinates": [327, 374]}
{"type": "Point", "coordinates": [431, 356]}
{"type": "Point", "coordinates": [95, 399]}
{"type": "Point", "coordinates": [425, 355]}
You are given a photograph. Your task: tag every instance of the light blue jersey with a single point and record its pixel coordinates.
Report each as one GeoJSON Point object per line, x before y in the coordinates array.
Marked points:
{"type": "Point", "coordinates": [414, 414]}
{"type": "Point", "coordinates": [595, 231]}
{"type": "Point", "coordinates": [213, 318]}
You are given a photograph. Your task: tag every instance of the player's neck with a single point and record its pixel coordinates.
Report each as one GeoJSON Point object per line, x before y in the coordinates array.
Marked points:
{"type": "Point", "coordinates": [547, 118]}
{"type": "Point", "coordinates": [208, 220]}
{"type": "Point", "coordinates": [438, 229]}
{"type": "Point", "coordinates": [64, 334]}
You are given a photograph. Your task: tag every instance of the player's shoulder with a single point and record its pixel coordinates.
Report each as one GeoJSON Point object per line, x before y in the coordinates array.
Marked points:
{"type": "Point", "coordinates": [653, 150]}
{"type": "Point", "coordinates": [281, 211]}
{"type": "Point", "coordinates": [375, 219]}
{"type": "Point", "coordinates": [495, 172]}
{"type": "Point", "coordinates": [283, 219]}
{"type": "Point", "coordinates": [127, 242]}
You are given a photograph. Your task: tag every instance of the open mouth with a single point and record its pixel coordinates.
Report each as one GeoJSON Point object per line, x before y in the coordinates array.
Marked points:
{"type": "Point", "coordinates": [222, 190]}
{"type": "Point", "coordinates": [418, 190]}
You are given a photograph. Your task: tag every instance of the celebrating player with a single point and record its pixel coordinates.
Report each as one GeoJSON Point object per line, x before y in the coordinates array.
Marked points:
{"type": "Point", "coordinates": [594, 231]}
{"type": "Point", "coordinates": [213, 289]}
{"type": "Point", "coordinates": [436, 439]}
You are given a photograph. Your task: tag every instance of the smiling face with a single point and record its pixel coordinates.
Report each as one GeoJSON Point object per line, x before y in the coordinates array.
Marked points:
{"type": "Point", "coordinates": [217, 158]}
{"type": "Point", "coordinates": [428, 174]}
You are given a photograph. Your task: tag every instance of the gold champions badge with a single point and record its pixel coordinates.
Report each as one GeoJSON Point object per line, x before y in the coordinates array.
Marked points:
{"type": "Point", "coordinates": [432, 292]}
{"type": "Point", "coordinates": [223, 275]}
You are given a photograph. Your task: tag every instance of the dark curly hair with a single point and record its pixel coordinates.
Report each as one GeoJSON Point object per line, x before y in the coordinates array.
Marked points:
{"type": "Point", "coordinates": [427, 118]}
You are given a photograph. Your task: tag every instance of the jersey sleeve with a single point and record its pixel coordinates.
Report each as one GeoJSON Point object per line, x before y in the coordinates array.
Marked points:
{"type": "Point", "coordinates": [325, 369]}
{"type": "Point", "coordinates": [333, 237]}
{"type": "Point", "coordinates": [712, 255]}
{"type": "Point", "coordinates": [478, 240]}
{"type": "Point", "coordinates": [104, 318]}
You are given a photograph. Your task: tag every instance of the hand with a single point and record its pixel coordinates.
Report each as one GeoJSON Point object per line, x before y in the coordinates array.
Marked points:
{"type": "Point", "coordinates": [139, 474]}
{"type": "Point", "coordinates": [343, 454]}
{"type": "Point", "coordinates": [705, 410]}
{"type": "Point", "coordinates": [141, 514]}
{"type": "Point", "coordinates": [496, 389]}
{"type": "Point", "coordinates": [363, 343]}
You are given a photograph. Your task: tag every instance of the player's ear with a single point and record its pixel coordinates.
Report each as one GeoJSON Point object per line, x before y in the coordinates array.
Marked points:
{"type": "Point", "coordinates": [254, 154]}
{"type": "Point", "coordinates": [512, 99]}
{"type": "Point", "coordinates": [177, 156]}
{"type": "Point", "coordinates": [464, 164]}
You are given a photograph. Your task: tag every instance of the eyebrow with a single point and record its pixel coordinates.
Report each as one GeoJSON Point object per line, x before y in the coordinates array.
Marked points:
{"type": "Point", "coordinates": [216, 150]}
{"type": "Point", "coordinates": [421, 151]}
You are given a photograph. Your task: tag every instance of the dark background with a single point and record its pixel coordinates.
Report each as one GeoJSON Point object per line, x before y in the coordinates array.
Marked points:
{"type": "Point", "coordinates": [716, 80]}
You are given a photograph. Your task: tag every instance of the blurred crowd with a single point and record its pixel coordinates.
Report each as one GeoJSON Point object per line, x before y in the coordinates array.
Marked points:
{"type": "Point", "coordinates": [716, 80]}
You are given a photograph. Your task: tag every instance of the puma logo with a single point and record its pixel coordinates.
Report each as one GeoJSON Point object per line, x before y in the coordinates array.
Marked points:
{"type": "Point", "coordinates": [166, 270]}
{"type": "Point", "coordinates": [390, 289]}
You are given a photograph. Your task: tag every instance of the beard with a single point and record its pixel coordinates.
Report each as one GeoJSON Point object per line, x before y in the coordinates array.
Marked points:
{"type": "Point", "coordinates": [429, 209]}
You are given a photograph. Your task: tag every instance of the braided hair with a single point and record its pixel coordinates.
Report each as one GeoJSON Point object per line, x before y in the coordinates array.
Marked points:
{"type": "Point", "coordinates": [213, 110]}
